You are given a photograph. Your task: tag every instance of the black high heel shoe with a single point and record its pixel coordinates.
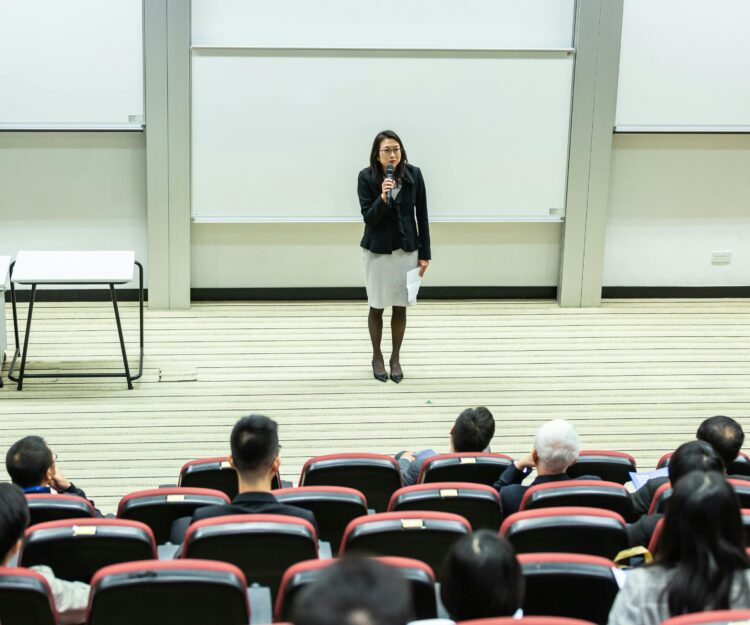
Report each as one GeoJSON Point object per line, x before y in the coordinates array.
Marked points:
{"type": "Point", "coordinates": [380, 377]}
{"type": "Point", "coordinates": [397, 377]}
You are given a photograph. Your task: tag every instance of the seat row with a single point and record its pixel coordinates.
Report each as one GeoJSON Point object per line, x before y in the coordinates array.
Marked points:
{"type": "Point", "coordinates": [203, 591]}
{"type": "Point", "coordinates": [198, 592]}
{"type": "Point", "coordinates": [335, 507]}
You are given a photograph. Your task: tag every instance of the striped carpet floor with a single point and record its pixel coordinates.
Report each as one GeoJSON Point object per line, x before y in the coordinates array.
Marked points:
{"type": "Point", "coordinates": [633, 375]}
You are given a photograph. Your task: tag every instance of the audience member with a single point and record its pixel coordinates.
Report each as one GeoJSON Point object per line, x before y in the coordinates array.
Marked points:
{"type": "Point", "coordinates": [692, 456]}
{"type": "Point", "coordinates": [71, 598]}
{"type": "Point", "coordinates": [724, 434]}
{"type": "Point", "coordinates": [32, 466]}
{"type": "Point", "coordinates": [255, 456]}
{"type": "Point", "coordinates": [556, 447]}
{"type": "Point", "coordinates": [700, 562]}
{"type": "Point", "coordinates": [472, 431]}
{"type": "Point", "coordinates": [355, 591]}
{"type": "Point", "coordinates": [481, 578]}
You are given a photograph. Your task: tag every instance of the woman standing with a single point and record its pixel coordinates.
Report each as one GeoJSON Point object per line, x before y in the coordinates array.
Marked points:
{"type": "Point", "coordinates": [396, 240]}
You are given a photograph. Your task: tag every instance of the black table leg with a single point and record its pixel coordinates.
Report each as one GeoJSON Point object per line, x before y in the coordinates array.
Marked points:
{"type": "Point", "coordinates": [26, 338]}
{"type": "Point", "coordinates": [122, 340]}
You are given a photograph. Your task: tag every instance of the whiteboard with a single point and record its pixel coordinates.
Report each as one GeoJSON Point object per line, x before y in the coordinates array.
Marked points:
{"type": "Point", "coordinates": [384, 24]}
{"type": "Point", "coordinates": [684, 66]}
{"type": "Point", "coordinates": [71, 64]}
{"type": "Point", "coordinates": [280, 135]}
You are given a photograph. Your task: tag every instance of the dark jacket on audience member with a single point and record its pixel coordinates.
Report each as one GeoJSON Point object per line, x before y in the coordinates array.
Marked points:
{"type": "Point", "coordinates": [640, 532]}
{"type": "Point", "coordinates": [254, 503]}
{"type": "Point", "coordinates": [512, 491]}
{"type": "Point", "coordinates": [642, 497]}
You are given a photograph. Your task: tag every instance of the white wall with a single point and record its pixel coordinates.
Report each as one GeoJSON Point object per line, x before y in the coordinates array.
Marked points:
{"type": "Point", "coordinates": [73, 190]}
{"type": "Point", "coordinates": [328, 255]}
{"type": "Point", "coordinates": [673, 199]}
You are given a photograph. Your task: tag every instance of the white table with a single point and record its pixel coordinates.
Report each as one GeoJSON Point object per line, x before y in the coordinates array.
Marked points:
{"type": "Point", "coordinates": [73, 268]}
{"type": "Point", "coordinates": [4, 267]}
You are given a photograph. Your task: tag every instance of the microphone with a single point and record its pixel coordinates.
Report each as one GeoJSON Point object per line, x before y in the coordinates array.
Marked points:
{"type": "Point", "coordinates": [389, 176]}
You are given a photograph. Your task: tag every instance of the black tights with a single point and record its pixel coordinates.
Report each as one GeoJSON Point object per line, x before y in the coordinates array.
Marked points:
{"type": "Point", "coordinates": [398, 327]}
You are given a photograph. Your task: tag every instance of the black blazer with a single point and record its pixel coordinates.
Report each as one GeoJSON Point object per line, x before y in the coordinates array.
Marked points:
{"type": "Point", "coordinates": [393, 227]}
{"type": "Point", "coordinates": [254, 503]}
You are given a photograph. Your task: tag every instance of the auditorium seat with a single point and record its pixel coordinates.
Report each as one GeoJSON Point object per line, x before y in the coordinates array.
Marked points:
{"type": "Point", "coordinates": [740, 466]}
{"type": "Point", "coordinates": [573, 530]}
{"type": "Point", "coordinates": [160, 507]}
{"type": "Point", "coordinates": [474, 467]}
{"type": "Point", "coordinates": [419, 576]}
{"type": "Point", "coordinates": [76, 548]}
{"type": "Point", "coordinates": [263, 546]}
{"type": "Point", "coordinates": [333, 507]}
{"type": "Point", "coordinates": [718, 617]}
{"type": "Point", "coordinates": [153, 592]}
{"type": "Point", "coordinates": [587, 493]}
{"type": "Point", "coordinates": [526, 620]}
{"type": "Point", "coordinates": [742, 489]}
{"type": "Point", "coordinates": [376, 476]}
{"type": "Point", "coordinates": [611, 466]}
{"type": "Point", "coordinates": [215, 473]}
{"type": "Point", "coordinates": [25, 598]}
{"type": "Point", "coordinates": [656, 535]}
{"type": "Point", "coordinates": [44, 507]}
{"type": "Point", "coordinates": [568, 584]}
{"type": "Point", "coordinates": [479, 504]}
{"type": "Point", "coordinates": [425, 536]}
{"type": "Point", "coordinates": [659, 500]}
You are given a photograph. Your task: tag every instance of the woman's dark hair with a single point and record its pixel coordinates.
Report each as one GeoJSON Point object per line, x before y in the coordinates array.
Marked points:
{"type": "Point", "coordinates": [481, 578]}
{"type": "Point", "coordinates": [14, 517]}
{"type": "Point", "coordinates": [702, 541]}
{"type": "Point", "coordinates": [375, 168]}
{"type": "Point", "coordinates": [694, 456]}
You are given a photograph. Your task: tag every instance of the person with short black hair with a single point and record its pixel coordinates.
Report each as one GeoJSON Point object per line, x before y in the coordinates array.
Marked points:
{"type": "Point", "coordinates": [690, 456]}
{"type": "Point", "coordinates": [472, 431]}
{"type": "Point", "coordinates": [724, 434]}
{"type": "Point", "coordinates": [71, 598]}
{"type": "Point", "coordinates": [700, 562]}
{"type": "Point", "coordinates": [255, 456]}
{"type": "Point", "coordinates": [32, 465]}
{"type": "Point", "coordinates": [355, 591]}
{"type": "Point", "coordinates": [481, 578]}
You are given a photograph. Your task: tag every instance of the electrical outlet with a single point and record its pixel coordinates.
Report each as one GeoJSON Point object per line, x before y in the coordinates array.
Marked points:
{"type": "Point", "coordinates": [721, 258]}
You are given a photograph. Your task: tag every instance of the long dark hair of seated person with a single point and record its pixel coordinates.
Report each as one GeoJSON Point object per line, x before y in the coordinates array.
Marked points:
{"type": "Point", "coordinates": [702, 542]}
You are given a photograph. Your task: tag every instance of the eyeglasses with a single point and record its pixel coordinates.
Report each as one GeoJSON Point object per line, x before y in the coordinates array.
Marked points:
{"type": "Point", "coordinates": [388, 151]}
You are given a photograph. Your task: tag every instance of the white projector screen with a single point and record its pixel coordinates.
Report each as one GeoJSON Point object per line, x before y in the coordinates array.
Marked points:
{"type": "Point", "coordinates": [684, 66]}
{"type": "Point", "coordinates": [280, 135]}
{"type": "Point", "coordinates": [71, 64]}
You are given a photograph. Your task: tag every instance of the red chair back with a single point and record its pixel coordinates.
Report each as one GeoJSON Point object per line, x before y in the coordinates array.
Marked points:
{"type": "Point", "coordinates": [475, 467]}
{"type": "Point", "coordinates": [376, 476]}
{"type": "Point", "coordinates": [479, 504]}
{"type": "Point", "coordinates": [154, 592]}
{"type": "Point", "coordinates": [76, 548]}
{"type": "Point", "coordinates": [611, 466]}
{"type": "Point", "coordinates": [425, 536]}
{"type": "Point", "coordinates": [25, 598]}
{"type": "Point", "coordinates": [591, 531]}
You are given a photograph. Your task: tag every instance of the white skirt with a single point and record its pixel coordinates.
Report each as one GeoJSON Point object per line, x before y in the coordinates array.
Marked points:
{"type": "Point", "coordinates": [385, 277]}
